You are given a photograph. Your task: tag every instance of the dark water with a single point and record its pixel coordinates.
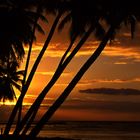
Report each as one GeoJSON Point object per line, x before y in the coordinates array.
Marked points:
{"type": "Point", "coordinates": [92, 130]}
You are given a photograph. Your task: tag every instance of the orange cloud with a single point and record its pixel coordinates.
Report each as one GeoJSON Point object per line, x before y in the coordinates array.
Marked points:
{"type": "Point", "coordinates": [51, 73]}
{"type": "Point", "coordinates": [120, 63]}
{"type": "Point", "coordinates": [127, 53]}
{"type": "Point", "coordinates": [56, 50]}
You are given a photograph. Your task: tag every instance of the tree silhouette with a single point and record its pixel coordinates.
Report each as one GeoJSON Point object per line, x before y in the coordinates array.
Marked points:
{"type": "Point", "coordinates": [58, 13]}
{"type": "Point", "coordinates": [99, 31]}
{"type": "Point", "coordinates": [9, 78]}
{"type": "Point", "coordinates": [75, 31]}
{"type": "Point", "coordinates": [85, 18]}
{"type": "Point", "coordinates": [16, 29]}
{"type": "Point", "coordinates": [26, 86]}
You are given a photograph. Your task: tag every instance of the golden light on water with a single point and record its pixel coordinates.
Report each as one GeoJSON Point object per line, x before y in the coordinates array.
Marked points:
{"type": "Point", "coordinates": [8, 102]}
{"type": "Point", "coordinates": [11, 103]}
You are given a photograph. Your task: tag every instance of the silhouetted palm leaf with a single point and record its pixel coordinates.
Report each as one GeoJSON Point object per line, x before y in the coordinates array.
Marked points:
{"type": "Point", "coordinates": [64, 21]}
{"type": "Point", "coordinates": [9, 78]}
{"type": "Point", "coordinates": [6, 90]}
{"type": "Point", "coordinates": [16, 27]}
{"type": "Point", "coordinates": [39, 28]}
{"type": "Point", "coordinates": [17, 86]}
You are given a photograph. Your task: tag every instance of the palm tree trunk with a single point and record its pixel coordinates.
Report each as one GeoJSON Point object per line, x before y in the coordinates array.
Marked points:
{"type": "Point", "coordinates": [42, 52]}
{"type": "Point", "coordinates": [27, 64]}
{"type": "Point", "coordinates": [25, 88]}
{"type": "Point", "coordinates": [34, 132]}
{"type": "Point", "coordinates": [35, 108]}
{"type": "Point", "coordinates": [67, 51]}
{"type": "Point", "coordinates": [55, 77]}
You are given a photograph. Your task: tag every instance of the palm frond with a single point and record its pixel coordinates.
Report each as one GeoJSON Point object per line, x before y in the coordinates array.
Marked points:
{"type": "Point", "coordinates": [64, 21]}
{"type": "Point", "coordinates": [43, 18]}
{"type": "Point", "coordinates": [18, 49]}
{"type": "Point", "coordinates": [99, 32]}
{"type": "Point", "coordinates": [40, 29]}
{"type": "Point", "coordinates": [7, 92]}
{"type": "Point", "coordinates": [17, 75]}
{"type": "Point", "coordinates": [21, 72]}
{"type": "Point", "coordinates": [13, 93]}
{"type": "Point", "coordinates": [133, 24]}
{"type": "Point", "coordinates": [17, 86]}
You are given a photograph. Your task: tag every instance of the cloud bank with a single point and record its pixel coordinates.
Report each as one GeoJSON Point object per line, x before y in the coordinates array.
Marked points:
{"type": "Point", "coordinates": [89, 82]}
{"type": "Point", "coordinates": [112, 91]}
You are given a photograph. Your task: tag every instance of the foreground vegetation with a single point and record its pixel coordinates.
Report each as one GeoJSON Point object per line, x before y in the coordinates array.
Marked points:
{"type": "Point", "coordinates": [17, 29]}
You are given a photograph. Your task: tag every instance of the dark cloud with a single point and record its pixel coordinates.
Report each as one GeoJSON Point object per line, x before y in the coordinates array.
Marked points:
{"type": "Point", "coordinates": [112, 91]}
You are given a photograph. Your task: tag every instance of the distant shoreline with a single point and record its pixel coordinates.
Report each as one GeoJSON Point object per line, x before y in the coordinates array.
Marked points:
{"type": "Point", "coordinates": [59, 122]}
{"type": "Point", "coordinates": [30, 138]}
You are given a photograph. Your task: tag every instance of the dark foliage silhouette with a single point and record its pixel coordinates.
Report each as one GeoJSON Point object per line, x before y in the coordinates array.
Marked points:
{"type": "Point", "coordinates": [9, 78]}
{"type": "Point", "coordinates": [85, 19]}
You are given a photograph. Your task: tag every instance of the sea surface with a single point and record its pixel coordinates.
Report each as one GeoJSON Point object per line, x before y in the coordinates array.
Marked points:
{"type": "Point", "coordinates": [92, 130]}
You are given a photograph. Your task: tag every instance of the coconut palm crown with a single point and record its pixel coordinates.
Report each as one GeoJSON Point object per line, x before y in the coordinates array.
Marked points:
{"type": "Point", "coordinates": [10, 79]}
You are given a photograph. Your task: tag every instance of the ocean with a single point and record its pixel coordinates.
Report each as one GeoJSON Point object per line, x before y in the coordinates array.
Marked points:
{"type": "Point", "coordinates": [85, 130]}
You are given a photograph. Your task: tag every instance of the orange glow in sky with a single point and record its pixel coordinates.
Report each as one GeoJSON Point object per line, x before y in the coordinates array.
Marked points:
{"type": "Point", "coordinates": [117, 67]}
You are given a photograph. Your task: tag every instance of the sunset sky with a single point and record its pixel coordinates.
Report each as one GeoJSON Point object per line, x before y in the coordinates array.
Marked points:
{"type": "Point", "coordinates": [118, 67]}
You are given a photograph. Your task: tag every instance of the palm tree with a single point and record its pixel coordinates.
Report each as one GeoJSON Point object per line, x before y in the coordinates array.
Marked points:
{"type": "Point", "coordinates": [54, 4]}
{"type": "Point", "coordinates": [50, 6]}
{"type": "Point", "coordinates": [75, 31]}
{"type": "Point", "coordinates": [62, 65]}
{"type": "Point", "coordinates": [16, 28]}
{"type": "Point", "coordinates": [36, 63]}
{"type": "Point", "coordinates": [9, 78]}
{"type": "Point", "coordinates": [29, 117]}
{"type": "Point", "coordinates": [106, 14]}
{"type": "Point", "coordinates": [36, 25]}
